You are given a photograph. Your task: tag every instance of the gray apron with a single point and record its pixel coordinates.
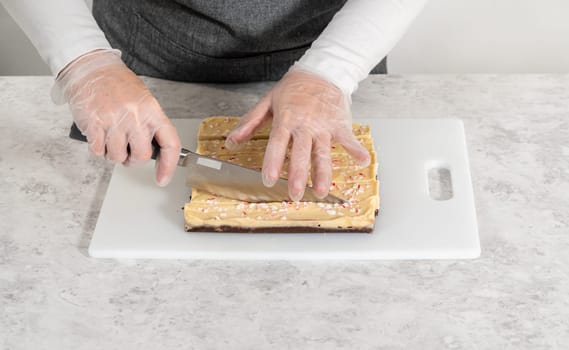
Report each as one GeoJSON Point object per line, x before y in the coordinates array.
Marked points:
{"type": "Point", "coordinates": [214, 41]}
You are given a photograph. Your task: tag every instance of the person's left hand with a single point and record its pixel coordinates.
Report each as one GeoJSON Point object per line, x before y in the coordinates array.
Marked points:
{"type": "Point", "coordinates": [312, 112]}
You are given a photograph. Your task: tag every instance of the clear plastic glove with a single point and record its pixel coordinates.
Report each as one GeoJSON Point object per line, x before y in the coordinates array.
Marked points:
{"type": "Point", "coordinates": [114, 109]}
{"type": "Point", "coordinates": [313, 113]}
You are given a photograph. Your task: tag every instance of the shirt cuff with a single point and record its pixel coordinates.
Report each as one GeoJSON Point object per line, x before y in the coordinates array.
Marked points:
{"type": "Point", "coordinates": [335, 69]}
{"type": "Point", "coordinates": [58, 60]}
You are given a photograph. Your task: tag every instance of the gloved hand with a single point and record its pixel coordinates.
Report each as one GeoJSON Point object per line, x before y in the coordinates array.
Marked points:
{"type": "Point", "coordinates": [113, 108]}
{"type": "Point", "coordinates": [313, 113]}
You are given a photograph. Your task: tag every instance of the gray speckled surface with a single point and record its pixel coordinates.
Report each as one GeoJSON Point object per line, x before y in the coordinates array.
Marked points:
{"type": "Point", "coordinates": [516, 296]}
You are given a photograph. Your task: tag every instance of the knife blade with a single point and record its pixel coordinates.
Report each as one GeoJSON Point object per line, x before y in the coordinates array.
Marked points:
{"type": "Point", "coordinates": [227, 179]}
{"type": "Point", "coordinates": [238, 182]}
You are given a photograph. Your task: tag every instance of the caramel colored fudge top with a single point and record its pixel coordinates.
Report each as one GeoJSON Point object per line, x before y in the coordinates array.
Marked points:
{"type": "Point", "coordinates": [358, 186]}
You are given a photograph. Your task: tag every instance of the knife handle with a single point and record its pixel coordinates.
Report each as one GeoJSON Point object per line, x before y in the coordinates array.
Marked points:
{"type": "Point", "coordinates": [75, 134]}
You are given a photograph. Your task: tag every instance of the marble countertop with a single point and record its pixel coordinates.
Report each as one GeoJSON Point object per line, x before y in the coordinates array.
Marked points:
{"type": "Point", "coordinates": [516, 296]}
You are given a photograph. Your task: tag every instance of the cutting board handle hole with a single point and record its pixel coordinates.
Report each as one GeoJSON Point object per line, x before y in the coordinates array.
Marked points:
{"type": "Point", "coordinates": [440, 183]}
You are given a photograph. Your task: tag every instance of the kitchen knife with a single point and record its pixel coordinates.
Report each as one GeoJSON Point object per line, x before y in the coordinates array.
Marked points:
{"type": "Point", "coordinates": [227, 179]}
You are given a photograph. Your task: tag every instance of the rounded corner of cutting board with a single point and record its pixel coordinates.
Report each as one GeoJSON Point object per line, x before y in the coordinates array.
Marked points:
{"type": "Point", "coordinates": [475, 254]}
{"type": "Point", "coordinates": [94, 252]}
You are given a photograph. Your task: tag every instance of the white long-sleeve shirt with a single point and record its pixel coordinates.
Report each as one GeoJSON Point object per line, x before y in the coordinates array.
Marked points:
{"type": "Point", "coordinates": [357, 38]}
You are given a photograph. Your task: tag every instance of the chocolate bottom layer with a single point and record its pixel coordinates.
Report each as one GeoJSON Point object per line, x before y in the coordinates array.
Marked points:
{"type": "Point", "coordinates": [299, 229]}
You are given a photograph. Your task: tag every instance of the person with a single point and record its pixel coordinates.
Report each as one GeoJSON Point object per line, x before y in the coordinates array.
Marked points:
{"type": "Point", "coordinates": [317, 50]}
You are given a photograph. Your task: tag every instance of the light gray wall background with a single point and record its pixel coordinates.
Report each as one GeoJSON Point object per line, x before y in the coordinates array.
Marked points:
{"type": "Point", "coordinates": [450, 36]}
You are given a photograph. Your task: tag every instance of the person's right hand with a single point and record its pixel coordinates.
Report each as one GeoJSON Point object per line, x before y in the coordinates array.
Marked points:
{"type": "Point", "coordinates": [114, 109]}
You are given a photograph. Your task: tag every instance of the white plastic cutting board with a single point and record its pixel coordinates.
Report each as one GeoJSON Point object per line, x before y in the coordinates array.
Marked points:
{"type": "Point", "coordinates": [141, 220]}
